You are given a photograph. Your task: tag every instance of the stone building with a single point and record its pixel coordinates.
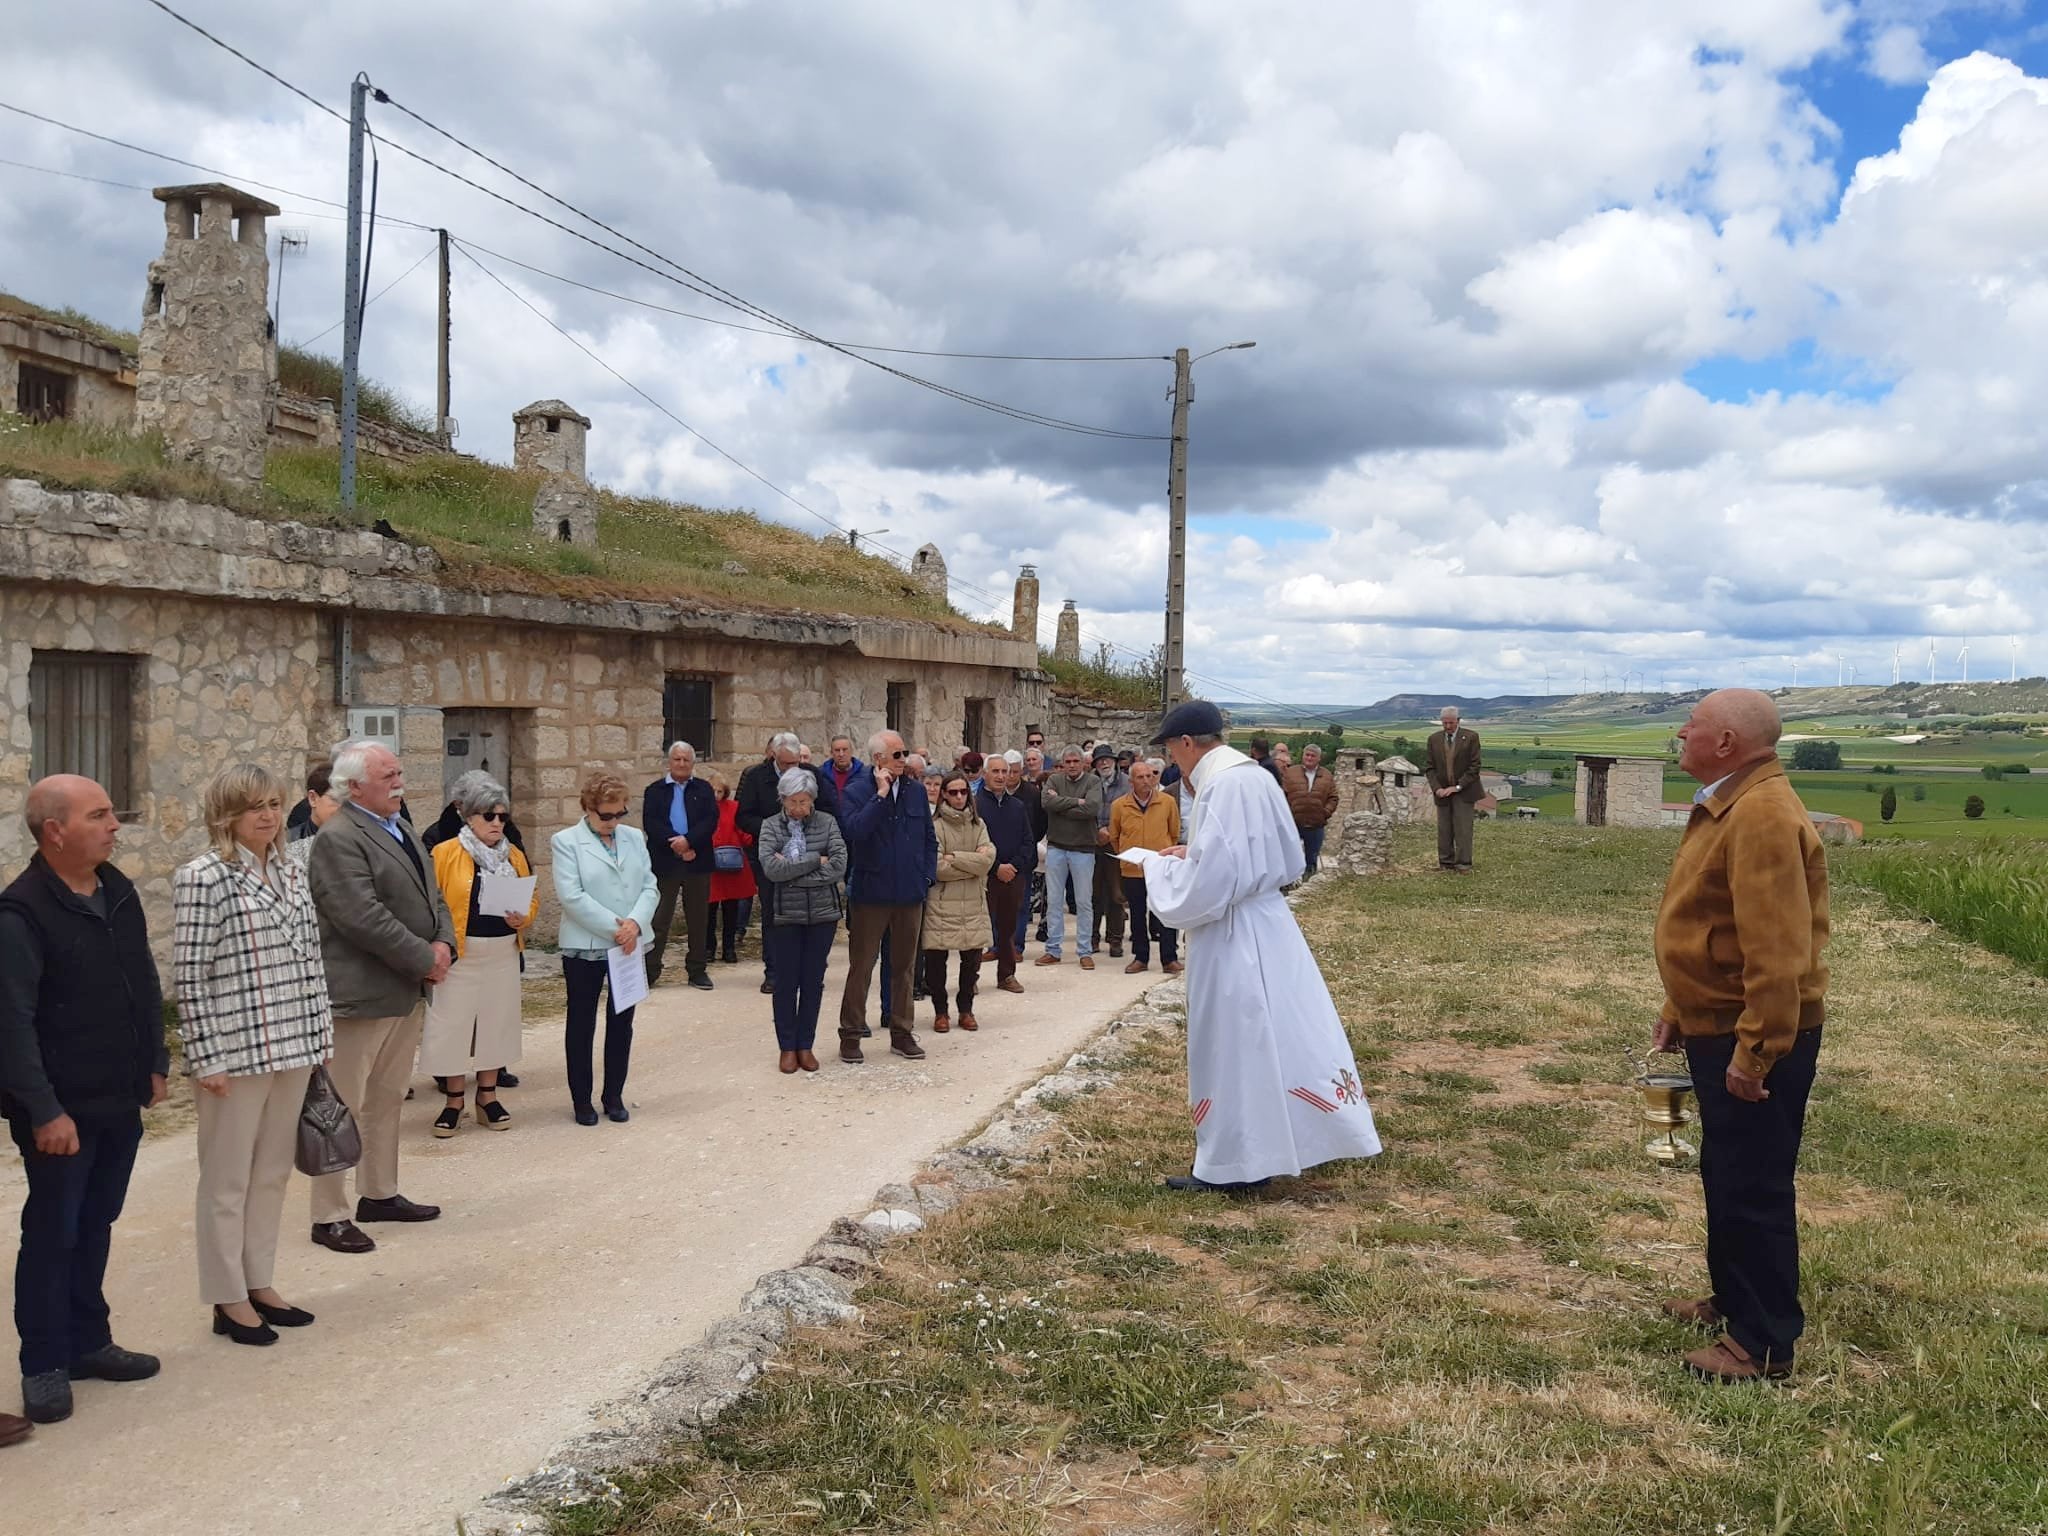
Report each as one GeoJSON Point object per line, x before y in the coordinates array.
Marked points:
{"type": "Point", "coordinates": [1619, 792]}
{"type": "Point", "coordinates": [1024, 605]}
{"type": "Point", "coordinates": [1066, 645]}
{"type": "Point", "coordinates": [928, 570]}
{"type": "Point", "coordinates": [550, 439]}
{"type": "Point", "coordinates": [148, 643]}
{"type": "Point", "coordinates": [50, 371]}
{"type": "Point", "coordinates": [208, 361]}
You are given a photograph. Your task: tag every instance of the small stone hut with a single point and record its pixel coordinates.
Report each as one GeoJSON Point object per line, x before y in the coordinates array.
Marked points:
{"type": "Point", "coordinates": [1619, 792]}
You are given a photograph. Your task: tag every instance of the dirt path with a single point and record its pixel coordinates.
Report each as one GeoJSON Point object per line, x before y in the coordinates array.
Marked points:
{"type": "Point", "coordinates": [568, 1263]}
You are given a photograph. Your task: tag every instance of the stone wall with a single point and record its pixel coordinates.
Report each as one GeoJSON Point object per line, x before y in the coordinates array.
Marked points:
{"type": "Point", "coordinates": [1075, 720]}
{"type": "Point", "coordinates": [299, 421]}
{"type": "Point", "coordinates": [102, 377]}
{"type": "Point", "coordinates": [246, 636]}
{"type": "Point", "coordinates": [1635, 792]}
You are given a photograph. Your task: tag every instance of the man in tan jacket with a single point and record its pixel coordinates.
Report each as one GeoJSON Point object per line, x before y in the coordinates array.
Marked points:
{"type": "Point", "coordinates": [1739, 940]}
{"type": "Point", "coordinates": [1453, 777]}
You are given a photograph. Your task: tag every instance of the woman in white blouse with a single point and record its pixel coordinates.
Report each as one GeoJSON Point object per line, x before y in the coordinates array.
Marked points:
{"type": "Point", "coordinates": [255, 1019]}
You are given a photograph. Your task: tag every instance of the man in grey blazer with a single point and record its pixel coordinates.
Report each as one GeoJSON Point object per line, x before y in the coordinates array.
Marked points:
{"type": "Point", "coordinates": [386, 936]}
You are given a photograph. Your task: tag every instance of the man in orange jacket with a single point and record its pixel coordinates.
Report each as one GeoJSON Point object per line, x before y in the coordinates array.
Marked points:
{"type": "Point", "coordinates": [1739, 940]}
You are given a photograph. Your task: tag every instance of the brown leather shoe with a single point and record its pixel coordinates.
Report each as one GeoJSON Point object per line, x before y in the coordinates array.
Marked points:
{"type": "Point", "coordinates": [1135, 967]}
{"type": "Point", "coordinates": [787, 1062]}
{"type": "Point", "coordinates": [1047, 960]}
{"type": "Point", "coordinates": [967, 1023]}
{"type": "Point", "coordinates": [1701, 1313]}
{"type": "Point", "coordinates": [1087, 962]}
{"type": "Point", "coordinates": [941, 1024]}
{"type": "Point", "coordinates": [1009, 984]}
{"type": "Point", "coordinates": [988, 957]}
{"type": "Point", "coordinates": [849, 1050]}
{"type": "Point", "coordinates": [1173, 967]}
{"type": "Point", "coordinates": [807, 1061]}
{"type": "Point", "coordinates": [343, 1237]}
{"type": "Point", "coordinates": [1727, 1361]}
{"type": "Point", "coordinates": [14, 1429]}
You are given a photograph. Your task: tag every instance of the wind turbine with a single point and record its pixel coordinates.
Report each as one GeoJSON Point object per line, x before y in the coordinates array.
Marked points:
{"type": "Point", "coordinates": [1930, 658]}
{"type": "Point", "coordinates": [1838, 669]}
{"type": "Point", "coordinates": [2015, 660]}
{"type": "Point", "coordinates": [1896, 650]}
{"type": "Point", "coordinates": [1964, 657]}
{"type": "Point", "coordinates": [1795, 671]}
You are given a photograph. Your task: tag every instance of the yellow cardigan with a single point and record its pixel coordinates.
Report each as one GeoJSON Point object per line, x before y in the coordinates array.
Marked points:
{"type": "Point", "coordinates": [455, 873]}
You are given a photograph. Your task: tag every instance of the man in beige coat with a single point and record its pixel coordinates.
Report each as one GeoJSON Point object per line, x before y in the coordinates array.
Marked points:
{"type": "Point", "coordinates": [386, 936]}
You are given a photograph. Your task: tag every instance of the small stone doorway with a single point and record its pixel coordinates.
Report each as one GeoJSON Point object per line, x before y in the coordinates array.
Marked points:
{"type": "Point", "coordinates": [476, 738]}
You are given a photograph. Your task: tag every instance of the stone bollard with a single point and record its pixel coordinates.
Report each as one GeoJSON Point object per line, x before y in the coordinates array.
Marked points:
{"type": "Point", "coordinates": [1367, 845]}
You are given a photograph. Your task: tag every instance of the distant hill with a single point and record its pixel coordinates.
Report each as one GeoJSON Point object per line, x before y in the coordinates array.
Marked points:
{"type": "Point", "coordinates": [2027, 697]}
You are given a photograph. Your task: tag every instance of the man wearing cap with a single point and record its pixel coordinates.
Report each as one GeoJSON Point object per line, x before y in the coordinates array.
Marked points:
{"type": "Point", "coordinates": [1109, 902]}
{"type": "Point", "coordinates": [1272, 1084]}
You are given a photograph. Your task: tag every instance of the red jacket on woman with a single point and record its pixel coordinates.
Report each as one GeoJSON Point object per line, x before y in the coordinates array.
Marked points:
{"type": "Point", "coordinates": [738, 884]}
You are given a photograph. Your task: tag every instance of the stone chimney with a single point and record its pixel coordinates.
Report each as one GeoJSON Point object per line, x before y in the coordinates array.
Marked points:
{"type": "Point", "coordinates": [548, 439]}
{"type": "Point", "coordinates": [1024, 605]}
{"type": "Point", "coordinates": [928, 570]}
{"type": "Point", "coordinates": [207, 362]}
{"type": "Point", "coordinates": [1066, 645]}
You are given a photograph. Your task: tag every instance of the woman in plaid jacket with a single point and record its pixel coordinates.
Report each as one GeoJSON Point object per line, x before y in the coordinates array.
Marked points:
{"type": "Point", "coordinates": [254, 1014]}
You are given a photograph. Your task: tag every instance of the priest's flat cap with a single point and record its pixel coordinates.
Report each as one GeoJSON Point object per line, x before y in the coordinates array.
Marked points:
{"type": "Point", "coordinates": [1197, 717]}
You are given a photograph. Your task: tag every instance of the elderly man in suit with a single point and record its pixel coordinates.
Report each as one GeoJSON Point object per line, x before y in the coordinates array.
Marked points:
{"type": "Point", "coordinates": [1453, 777]}
{"type": "Point", "coordinates": [386, 936]}
{"type": "Point", "coordinates": [679, 814]}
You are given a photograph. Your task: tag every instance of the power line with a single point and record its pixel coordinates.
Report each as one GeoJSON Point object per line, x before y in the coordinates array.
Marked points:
{"type": "Point", "coordinates": [408, 272]}
{"type": "Point", "coordinates": [696, 282]}
{"type": "Point", "coordinates": [608, 368]}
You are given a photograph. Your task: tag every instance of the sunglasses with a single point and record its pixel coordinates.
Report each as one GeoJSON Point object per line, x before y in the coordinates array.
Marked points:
{"type": "Point", "coordinates": [507, 815]}
{"type": "Point", "coordinates": [609, 815]}
{"type": "Point", "coordinates": [898, 756]}
{"type": "Point", "coordinates": [961, 792]}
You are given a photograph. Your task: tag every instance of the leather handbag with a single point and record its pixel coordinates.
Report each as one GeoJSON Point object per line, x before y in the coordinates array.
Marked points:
{"type": "Point", "coordinates": [329, 1141]}
{"type": "Point", "coordinates": [728, 859]}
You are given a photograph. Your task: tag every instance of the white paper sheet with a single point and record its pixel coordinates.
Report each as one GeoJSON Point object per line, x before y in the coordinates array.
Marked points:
{"type": "Point", "coordinates": [628, 975]}
{"type": "Point", "coordinates": [500, 894]}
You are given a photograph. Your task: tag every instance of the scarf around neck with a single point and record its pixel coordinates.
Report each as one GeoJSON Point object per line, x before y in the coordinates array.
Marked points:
{"type": "Point", "coordinates": [489, 860]}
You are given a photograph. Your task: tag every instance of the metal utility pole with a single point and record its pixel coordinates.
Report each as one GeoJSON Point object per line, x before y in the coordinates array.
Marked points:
{"type": "Point", "coordinates": [1173, 682]}
{"type": "Point", "coordinates": [441, 424]}
{"type": "Point", "coordinates": [352, 290]}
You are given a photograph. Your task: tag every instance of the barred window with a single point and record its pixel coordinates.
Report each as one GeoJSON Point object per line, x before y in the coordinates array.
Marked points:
{"type": "Point", "coordinates": [688, 714]}
{"type": "Point", "coordinates": [80, 715]}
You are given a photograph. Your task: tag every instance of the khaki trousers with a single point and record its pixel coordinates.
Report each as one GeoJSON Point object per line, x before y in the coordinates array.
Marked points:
{"type": "Point", "coordinates": [246, 1142]}
{"type": "Point", "coordinates": [372, 1066]}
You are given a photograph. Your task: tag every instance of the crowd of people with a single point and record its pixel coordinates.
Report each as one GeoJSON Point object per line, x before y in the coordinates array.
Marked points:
{"type": "Point", "coordinates": [333, 937]}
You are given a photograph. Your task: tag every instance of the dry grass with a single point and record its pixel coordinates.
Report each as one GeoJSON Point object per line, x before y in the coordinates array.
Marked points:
{"type": "Point", "coordinates": [1461, 1334]}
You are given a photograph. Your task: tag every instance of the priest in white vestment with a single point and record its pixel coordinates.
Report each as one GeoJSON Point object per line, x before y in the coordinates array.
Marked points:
{"type": "Point", "coordinates": [1272, 1085]}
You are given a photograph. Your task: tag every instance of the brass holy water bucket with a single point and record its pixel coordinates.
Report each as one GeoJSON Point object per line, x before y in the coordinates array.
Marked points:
{"type": "Point", "coordinates": [1664, 1109]}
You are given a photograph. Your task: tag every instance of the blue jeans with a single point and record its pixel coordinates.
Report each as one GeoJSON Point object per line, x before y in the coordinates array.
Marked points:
{"type": "Point", "coordinates": [1311, 847]}
{"type": "Point", "coordinates": [801, 950]}
{"type": "Point", "coordinates": [67, 1227]}
{"type": "Point", "coordinates": [1079, 865]}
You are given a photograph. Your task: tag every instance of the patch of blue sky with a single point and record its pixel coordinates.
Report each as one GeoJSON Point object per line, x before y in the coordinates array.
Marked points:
{"type": "Point", "coordinates": [1263, 531]}
{"type": "Point", "coordinates": [773, 374]}
{"type": "Point", "coordinates": [1799, 369]}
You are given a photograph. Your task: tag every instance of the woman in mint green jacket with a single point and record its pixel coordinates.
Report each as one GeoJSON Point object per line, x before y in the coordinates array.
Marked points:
{"type": "Point", "coordinates": [607, 890]}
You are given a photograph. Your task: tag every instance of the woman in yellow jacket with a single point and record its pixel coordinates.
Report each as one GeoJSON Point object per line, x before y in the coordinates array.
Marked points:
{"type": "Point", "coordinates": [473, 1016]}
{"type": "Point", "coordinates": [956, 910]}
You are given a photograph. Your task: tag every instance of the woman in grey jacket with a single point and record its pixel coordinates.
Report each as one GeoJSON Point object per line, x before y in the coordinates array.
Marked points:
{"type": "Point", "coordinates": [803, 857]}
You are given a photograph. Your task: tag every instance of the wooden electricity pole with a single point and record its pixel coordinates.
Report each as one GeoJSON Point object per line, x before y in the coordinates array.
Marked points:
{"type": "Point", "coordinates": [441, 424]}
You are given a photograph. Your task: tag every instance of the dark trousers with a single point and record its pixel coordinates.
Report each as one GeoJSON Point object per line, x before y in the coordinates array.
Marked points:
{"type": "Point", "coordinates": [1748, 1155]}
{"type": "Point", "coordinates": [866, 925]}
{"type": "Point", "coordinates": [67, 1227]}
{"type": "Point", "coordinates": [1454, 833]}
{"type": "Point", "coordinates": [734, 915]}
{"type": "Point", "coordinates": [695, 891]}
{"type": "Point", "coordinates": [935, 978]}
{"type": "Point", "coordinates": [1145, 927]}
{"type": "Point", "coordinates": [801, 952]}
{"type": "Point", "coordinates": [1311, 848]}
{"type": "Point", "coordinates": [767, 918]}
{"type": "Point", "coordinates": [1109, 898]}
{"type": "Point", "coordinates": [1006, 921]}
{"type": "Point", "coordinates": [586, 979]}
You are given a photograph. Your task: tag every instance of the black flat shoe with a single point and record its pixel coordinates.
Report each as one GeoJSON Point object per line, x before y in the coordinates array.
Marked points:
{"type": "Point", "coordinates": [110, 1362]}
{"type": "Point", "coordinates": [241, 1333]}
{"type": "Point", "coordinates": [585, 1115]}
{"type": "Point", "coordinates": [281, 1317]}
{"type": "Point", "coordinates": [618, 1114]}
{"type": "Point", "coordinates": [1187, 1182]}
{"type": "Point", "coordinates": [507, 1078]}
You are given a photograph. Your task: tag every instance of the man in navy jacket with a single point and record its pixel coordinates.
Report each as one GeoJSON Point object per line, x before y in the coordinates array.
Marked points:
{"type": "Point", "coordinates": [887, 821]}
{"type": "Point", "coordinates": [1008, 819]}
{"type": "Point", "coordinates": [679, 814]}
{"type": "Point", "coordinates": [840, 770]}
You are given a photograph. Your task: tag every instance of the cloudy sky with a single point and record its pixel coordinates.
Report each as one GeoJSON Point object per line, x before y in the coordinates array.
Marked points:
{"type": "Point", "coordinates": [1693, 339]}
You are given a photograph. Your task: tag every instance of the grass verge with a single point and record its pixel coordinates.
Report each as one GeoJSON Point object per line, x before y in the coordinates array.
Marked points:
{"type": "Point", "coordinates": [1995, 894]}
{"type": "Point", "coordinates": [1460, 1335]}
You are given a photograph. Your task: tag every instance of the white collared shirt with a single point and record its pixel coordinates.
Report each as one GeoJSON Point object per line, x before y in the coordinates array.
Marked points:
{"type": "Point", "coordinates": [1706, 792]}
{"type": "Point", "coordinates": [263, 869]}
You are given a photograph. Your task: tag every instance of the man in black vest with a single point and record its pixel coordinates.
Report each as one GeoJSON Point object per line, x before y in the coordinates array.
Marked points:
{"type": "Point", "coordinates": [81, 1054]}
